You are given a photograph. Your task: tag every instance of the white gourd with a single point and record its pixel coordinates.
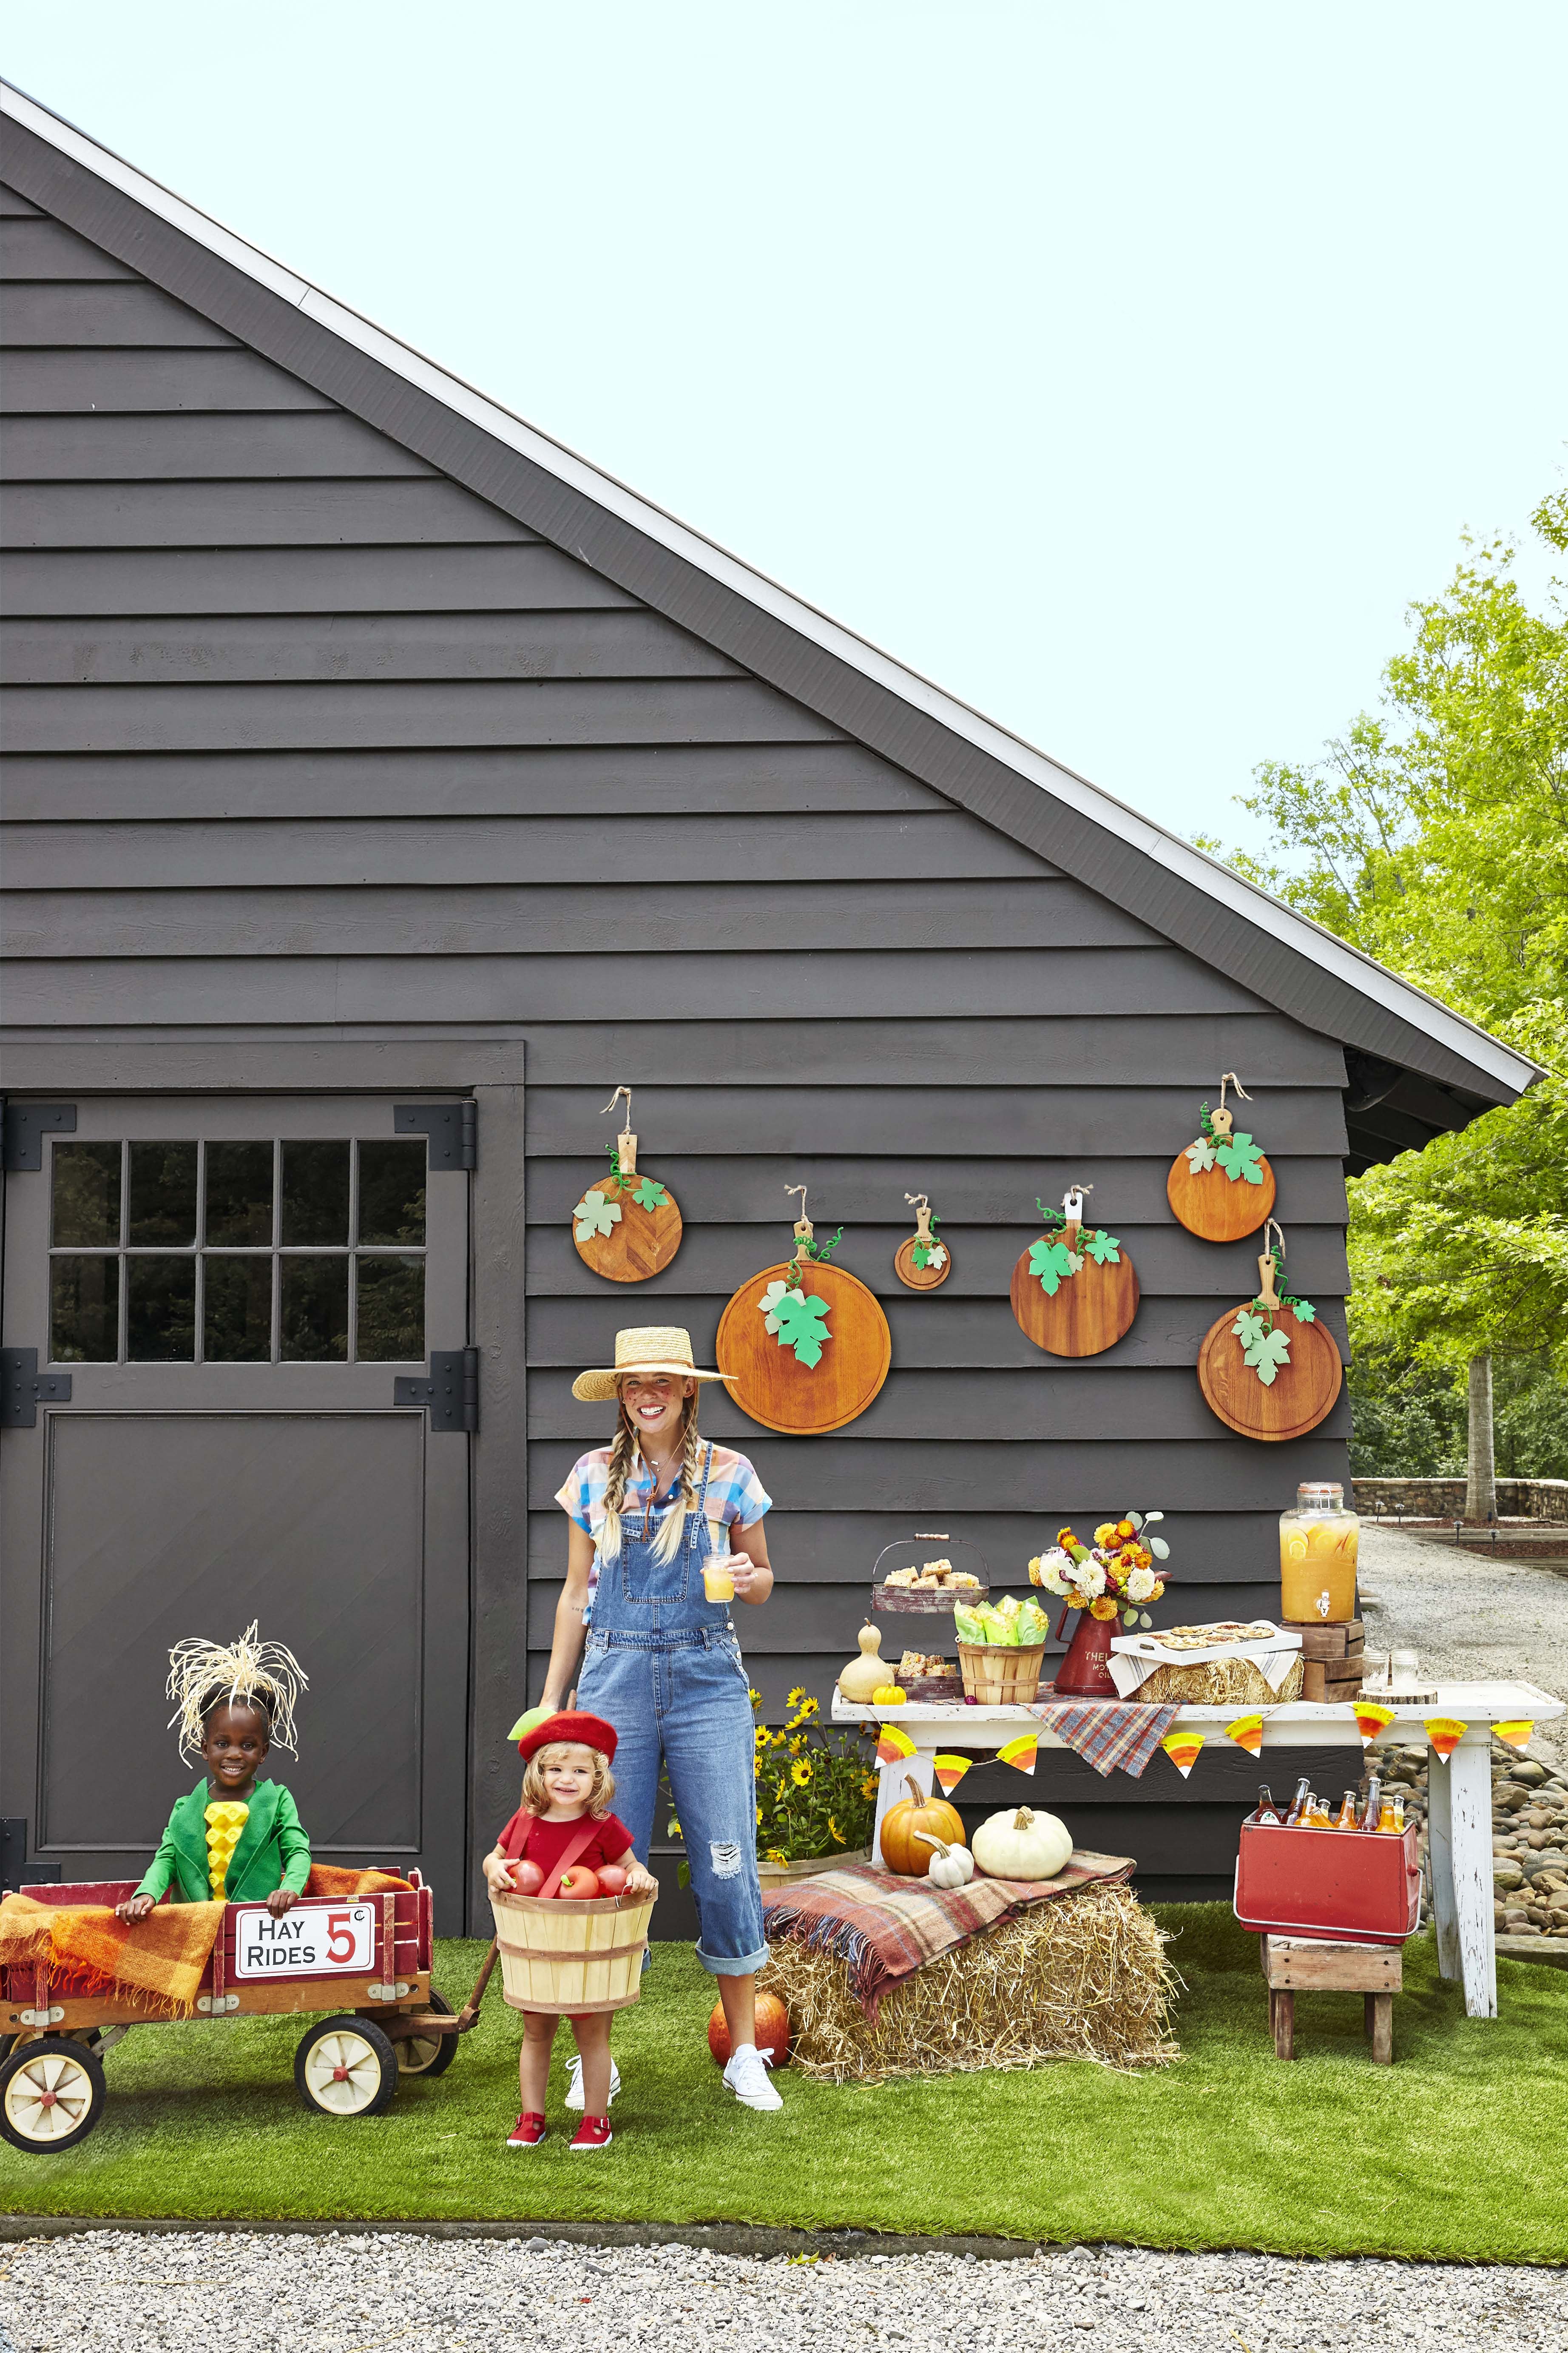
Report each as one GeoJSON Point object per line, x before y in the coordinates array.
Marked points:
{"type": "Point", "coordinates": [950, 1866]}
{"type": "Point", "coordinates": [1021, 1844]}
{"type": "Point", "coordinates": [863, 1675]}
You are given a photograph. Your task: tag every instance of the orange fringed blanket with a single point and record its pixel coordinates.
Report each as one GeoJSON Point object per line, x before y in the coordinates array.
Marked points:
{"type": "Point", "coordinates": [159, 1962]}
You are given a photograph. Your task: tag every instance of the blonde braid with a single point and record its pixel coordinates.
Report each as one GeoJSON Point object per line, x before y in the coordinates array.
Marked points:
{"type": "Point", "coordinates": [667, 1542]}
{"type": "Point", "coordinates": [623, 1454]}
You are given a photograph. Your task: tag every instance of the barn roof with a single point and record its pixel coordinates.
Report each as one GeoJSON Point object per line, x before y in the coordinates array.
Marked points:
{"type": "Point", "coordinates": [1414, 1067]}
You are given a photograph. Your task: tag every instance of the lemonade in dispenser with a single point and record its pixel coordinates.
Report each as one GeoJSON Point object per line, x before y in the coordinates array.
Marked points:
{"type": "Point", "coordinates": [1317, 1556]}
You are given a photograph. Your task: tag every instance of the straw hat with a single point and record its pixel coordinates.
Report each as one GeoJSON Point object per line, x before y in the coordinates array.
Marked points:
{"type": "Point", "coordinates": [645, 1348]}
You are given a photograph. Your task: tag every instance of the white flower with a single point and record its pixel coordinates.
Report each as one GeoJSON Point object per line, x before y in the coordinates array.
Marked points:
{"type": "Point", "coordinates": [769, 1301]}
{"type": "Point", "coordinates": [1141, 1585]}
{"type": "Point", "coordinates": [1089, 1578]}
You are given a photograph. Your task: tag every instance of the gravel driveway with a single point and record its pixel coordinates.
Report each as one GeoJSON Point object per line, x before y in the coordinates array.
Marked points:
{"type": "Point", "coordinates": [1469, 1618]}
{"type": "Point", "coordinates": [124, 2291]}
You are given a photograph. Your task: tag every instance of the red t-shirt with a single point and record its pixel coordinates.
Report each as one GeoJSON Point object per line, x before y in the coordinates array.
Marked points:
{"type": "Point", "coordinates": [548, 1842]}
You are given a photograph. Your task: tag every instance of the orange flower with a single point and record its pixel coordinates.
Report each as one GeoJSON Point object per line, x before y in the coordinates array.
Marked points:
{"type": "Point", "coordinates": [1159, 1592]}
{"type": "Point", "coordinates": [1104, 1607]}
{"type": "Point", "coordinates": [1124, 1528]}
{"type": "Point", "coordinates": [1074, 1601]}
{"type": "Point", "coordinates": [1066, 1536]}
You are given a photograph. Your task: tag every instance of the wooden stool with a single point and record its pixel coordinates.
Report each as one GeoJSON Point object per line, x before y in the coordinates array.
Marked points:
{"type": "Point", "coordinates": [1293, 1964]}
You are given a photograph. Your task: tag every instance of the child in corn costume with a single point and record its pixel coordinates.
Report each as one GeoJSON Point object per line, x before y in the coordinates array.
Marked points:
{"type": "Point", "coordinates": [234, 1838]}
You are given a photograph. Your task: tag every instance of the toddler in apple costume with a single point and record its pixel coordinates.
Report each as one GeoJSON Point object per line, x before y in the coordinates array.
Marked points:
{"type": "Point", "coordinates": [564, 1825]}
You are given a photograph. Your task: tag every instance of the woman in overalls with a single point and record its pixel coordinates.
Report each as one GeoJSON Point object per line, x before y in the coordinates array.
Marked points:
{"type": "Point", "coordinates": [661, 1662]}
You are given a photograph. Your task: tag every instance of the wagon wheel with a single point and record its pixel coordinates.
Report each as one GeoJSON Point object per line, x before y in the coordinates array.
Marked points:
{"type": "Point", "coordinates": [345, 2067]}
{"type": "Point", "coordinates": [51, 2095]}
{"type": "Point", "coordinates": [428, 2054]}
{"type": "Point", "coordinates": [91, 2036]}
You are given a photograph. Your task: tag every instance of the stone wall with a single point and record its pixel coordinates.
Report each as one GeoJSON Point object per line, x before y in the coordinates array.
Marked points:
{"type": "Point", "coordinates": [1443, 1499]}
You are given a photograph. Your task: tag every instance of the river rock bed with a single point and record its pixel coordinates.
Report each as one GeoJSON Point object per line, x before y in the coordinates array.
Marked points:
{"type": "Point", "coordinates": [1530, 1832]}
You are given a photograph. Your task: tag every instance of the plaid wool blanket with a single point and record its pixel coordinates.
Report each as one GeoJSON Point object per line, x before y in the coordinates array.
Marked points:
{"type": "Point", "coordinates": [1108, 1732]}
{"type": "Point", "coordinates": [884, 1927]}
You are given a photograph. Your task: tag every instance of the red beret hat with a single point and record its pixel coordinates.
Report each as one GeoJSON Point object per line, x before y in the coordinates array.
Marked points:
{"type": "Point", "coordinates": [569, 1724]}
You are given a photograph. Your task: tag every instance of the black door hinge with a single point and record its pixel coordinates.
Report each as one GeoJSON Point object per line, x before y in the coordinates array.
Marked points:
{"type": "Point", "coordinates": [452, 1128]}
{"type": "Point", "coordinates": [23, 1388]}
{"type": "Point", "coordinates": [25, 1123]}
{"type": "Point", "coordinates": [16, 1870]}
{"type": "Point", "coordinates": [452, 1391]}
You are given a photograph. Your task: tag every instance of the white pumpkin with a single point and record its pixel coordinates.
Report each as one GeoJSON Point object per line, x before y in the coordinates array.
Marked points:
{"type": "Point", "coordinates": [1018, 1843]}
{"type": "Point", "coordinates": [950, 1866]}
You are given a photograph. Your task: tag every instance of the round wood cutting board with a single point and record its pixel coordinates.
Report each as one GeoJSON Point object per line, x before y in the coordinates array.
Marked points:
{"type": "Point", "coordinates": [1089, 1312]}
{"type": "Point", "coordinates": [919, 1278]}
{"type": "Point", "coordinates": [772, 1386]}
{"type": "Point", "coordinates": [1213, 1208]}
{"type": "Point", "coordinates": [1302, 1393]}
{"type": "Point", "coordinates": [644, 1241]}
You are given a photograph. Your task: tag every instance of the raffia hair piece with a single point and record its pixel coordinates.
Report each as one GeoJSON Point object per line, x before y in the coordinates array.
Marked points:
{"type": "Point", "coordinates": [204, 1675]}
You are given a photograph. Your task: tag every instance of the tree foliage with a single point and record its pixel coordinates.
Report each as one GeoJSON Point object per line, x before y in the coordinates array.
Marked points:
{"type": "Point", "coordinates": [1433, 835]}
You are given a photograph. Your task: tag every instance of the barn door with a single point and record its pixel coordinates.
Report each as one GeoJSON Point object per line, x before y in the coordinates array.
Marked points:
{"type": "Point", "coordinates": [236, 1306]}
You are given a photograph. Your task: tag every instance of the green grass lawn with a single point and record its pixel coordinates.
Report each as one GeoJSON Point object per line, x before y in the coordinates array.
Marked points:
{"type": "Point", "coordinates": [1455, 2151]}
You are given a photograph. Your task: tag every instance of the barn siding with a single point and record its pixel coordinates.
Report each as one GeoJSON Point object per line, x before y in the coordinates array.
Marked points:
{"type": "Point", "coordinates": [275, 685]}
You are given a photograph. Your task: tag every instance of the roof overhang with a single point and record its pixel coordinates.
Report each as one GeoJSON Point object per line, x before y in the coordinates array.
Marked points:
{"type": "Point", "coordinates": [1409, 1044]}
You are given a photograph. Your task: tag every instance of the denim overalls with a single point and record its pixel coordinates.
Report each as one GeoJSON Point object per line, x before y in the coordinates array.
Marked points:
{"type": "Point", "coordinates": [662, 1663]}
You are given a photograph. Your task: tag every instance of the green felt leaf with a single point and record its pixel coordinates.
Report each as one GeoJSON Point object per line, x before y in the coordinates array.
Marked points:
{"type": "Point", "coordinates": [768, 1304]}
{"type": "Point", "coordinates": [1267, 1354]}
{"type": "Point", "coordinates": [1303, 1311]}
{"type": "Point", "coordinates": [595, 1215]}
{"type": "Point", "coordinates": [1200, 1156]}
{"type": "Point", "coordinates": [650, 1194]}
{"type": "Point", "coordinates": [1241, 1157]}
{"type": "Point", "coordinates": [802, 1326]}
{"type": "Point", "coordinates": [1248, 1327]}
{"type": "Point", "coordinates": [1105, 1250]}
{"type": "Point", "coordinates": [1051, 1263]}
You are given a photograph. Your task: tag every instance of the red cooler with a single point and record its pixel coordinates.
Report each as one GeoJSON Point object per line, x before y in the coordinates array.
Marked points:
{"type": "Point", "coordinates": [1357, 1887]}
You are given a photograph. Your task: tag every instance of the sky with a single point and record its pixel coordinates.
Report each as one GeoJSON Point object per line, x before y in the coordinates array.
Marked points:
{"type": "Point", "coordinates": [1125, 368]}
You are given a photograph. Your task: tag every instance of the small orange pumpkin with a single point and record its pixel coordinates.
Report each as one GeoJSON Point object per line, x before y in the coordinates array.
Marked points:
{"type": "Point", "coordinates": [902, 1824]}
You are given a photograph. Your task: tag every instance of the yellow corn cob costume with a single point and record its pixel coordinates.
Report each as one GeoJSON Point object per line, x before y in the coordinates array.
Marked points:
{"type": "Point", "coordinates": [225, 1817]}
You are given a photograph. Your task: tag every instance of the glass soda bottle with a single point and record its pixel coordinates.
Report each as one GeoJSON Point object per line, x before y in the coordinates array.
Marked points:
{"type": "Point", "coordinates": [1373, 1814]}
{"type": "Point", "coordinates": [1318, 1815]}
{"type": "Point", "coordinates": [1347, 1819]}
{"type": "Point", "coordinates": [1391, 1818]}
{"type": "Point", "coordinates": [1265, 1810]}
{"type": "Point", "coordinates": [1298, 1804]}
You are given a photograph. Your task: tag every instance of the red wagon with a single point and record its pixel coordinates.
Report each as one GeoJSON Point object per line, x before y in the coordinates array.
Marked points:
{"type": "Point", "coordinates": [366, 1959]}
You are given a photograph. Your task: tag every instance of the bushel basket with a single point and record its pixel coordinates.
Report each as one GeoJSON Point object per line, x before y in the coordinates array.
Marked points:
{"type": "Point", "coordinates": [571, 1957]}
{"type": "Point", "coordinates": [998, 1675]}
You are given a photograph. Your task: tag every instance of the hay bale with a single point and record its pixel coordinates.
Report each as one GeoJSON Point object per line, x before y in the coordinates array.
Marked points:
{"type": "Point", "coordinates": [1083, 1976]}
{"type": "Point", "coordinates": [1219, 1683]}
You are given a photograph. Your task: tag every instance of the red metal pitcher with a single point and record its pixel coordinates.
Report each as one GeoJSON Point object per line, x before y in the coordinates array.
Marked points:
{"type": "Point", "coordinates": [1085, 1673]}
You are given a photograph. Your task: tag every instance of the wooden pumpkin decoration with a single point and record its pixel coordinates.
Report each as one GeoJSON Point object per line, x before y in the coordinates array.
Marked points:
{"type": "Point", "coordinates": [1268, 1368]}
{"type": "Point", "coordinates": [923, 1263]}
{"type": "Point", "coordinates": [803, 1345]}
{"type": "Point", "coordinates": [1074, 1292]}
{"type": "Point", "coordinates": [914, 1819]}
{"type": "Point", "coordinates": [1221, 1187]}
{"type": "Point", "coordinates": [627, 1225]}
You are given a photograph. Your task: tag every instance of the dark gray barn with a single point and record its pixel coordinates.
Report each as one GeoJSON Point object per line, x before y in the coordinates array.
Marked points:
{"type": "Point", "coordinates": [378, 778]}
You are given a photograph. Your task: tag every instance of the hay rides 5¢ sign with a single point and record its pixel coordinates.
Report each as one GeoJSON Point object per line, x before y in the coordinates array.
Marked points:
{"type": "Point", "coordinates": [317, 1940]}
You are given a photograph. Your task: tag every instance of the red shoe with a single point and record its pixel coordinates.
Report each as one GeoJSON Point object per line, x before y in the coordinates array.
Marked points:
{"type": "Point", "coordinates": [593, 2132]}
{"type": "Point", "coordinates": [528, 2132]}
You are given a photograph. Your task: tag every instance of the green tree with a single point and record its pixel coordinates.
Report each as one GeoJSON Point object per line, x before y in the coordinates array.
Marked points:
{"type": "Point", "coordinates": [1433, 835]}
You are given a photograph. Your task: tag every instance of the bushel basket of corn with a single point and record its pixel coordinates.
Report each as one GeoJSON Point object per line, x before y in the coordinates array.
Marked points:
{"type": "Point", "coordinates": [1000, 1649]}
{"type": "Point", "coordinates": [570, 1957]}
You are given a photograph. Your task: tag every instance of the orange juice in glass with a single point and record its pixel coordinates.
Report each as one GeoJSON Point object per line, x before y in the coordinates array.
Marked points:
{"type": "Point", "coordinates": [1317, 1556]}
{"type": "Point", "coordinates": [717, 1565]}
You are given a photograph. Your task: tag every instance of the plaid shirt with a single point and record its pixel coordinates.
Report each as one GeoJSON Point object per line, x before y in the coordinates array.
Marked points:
{"type": "Point", "coordinates": [735, 1495]}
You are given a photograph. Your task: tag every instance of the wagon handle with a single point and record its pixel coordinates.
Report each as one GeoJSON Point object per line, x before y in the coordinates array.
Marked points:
{"type": "Point", "coordinates": [470, 2009]}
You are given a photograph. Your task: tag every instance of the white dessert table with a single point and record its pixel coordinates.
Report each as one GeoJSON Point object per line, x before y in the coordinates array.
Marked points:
{"type": "Point", "coordinates": [1459, 1809]}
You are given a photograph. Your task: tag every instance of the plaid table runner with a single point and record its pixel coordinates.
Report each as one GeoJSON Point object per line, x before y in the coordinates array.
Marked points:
{"type": "Point", "coordinates": [1108, 1732]}
{"type": "Point", "coordinates": [884, 1927]}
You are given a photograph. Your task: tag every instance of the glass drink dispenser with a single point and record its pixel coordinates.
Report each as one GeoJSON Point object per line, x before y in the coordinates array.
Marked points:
{"type": "Point", "coordinates": [1318, 1541]}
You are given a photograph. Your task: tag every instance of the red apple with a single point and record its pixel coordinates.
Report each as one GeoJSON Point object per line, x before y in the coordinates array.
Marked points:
{"type": "Point", "coordinates": [611, 1878]}
{"type": "Point", "coordinates": [772, 2031]}
{"type": "Point", "coordinates": [527, 1877]}
{"type": "Point", "coordinates": [579, 1885]}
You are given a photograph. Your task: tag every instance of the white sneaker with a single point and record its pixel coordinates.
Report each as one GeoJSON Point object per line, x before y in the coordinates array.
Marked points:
{"type": "Point", "coordinates": [575, 2088]}
{"type": "Point", "coordinates": [747, 2077]}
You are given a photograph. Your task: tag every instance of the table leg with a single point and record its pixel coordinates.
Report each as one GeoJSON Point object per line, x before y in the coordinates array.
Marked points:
{"type": "Point", "coordinates": [1282, 2018]}
{"type": "Point", "coordinates": [1440, 1848]}
{"type": "Point", "coordinates": [1379, 2013]}
{"type": "Point", "coordinates": [890, 1790]}
{"type": "Point", "coordinates": [1470, 1773]}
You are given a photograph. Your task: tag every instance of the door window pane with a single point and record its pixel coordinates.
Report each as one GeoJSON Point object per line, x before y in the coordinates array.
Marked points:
{"type": "Point", "coordinates": [84, 1307]}
{"type": "Point", "coordinates": [160, 1311]}
{"type": "Point", "coordinates": [163, 1194]}
{"type": "Point", "coordinates": [391, 1309]}
{"type": "Point", "coordinates": [239, 1193]}
{"type": "Point", "coordinates": [316, 1192]}
{"type": "Point", "coordinates": [392, 1192]}
{"type": "Point", "coordinates": [87, 1196]}
{"type": "Point", "coordinates": [315, 1308]}
{"type": "Point", "coordinates": [238, 1316]}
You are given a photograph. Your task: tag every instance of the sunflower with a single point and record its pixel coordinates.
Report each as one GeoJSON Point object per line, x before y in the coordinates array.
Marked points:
{"type": "Point", "coordinates": [800, 1773]}
{"type": "Point", "coordinates": [793, 1698]}
{"type": "Point", "coordinates": [674, 1827]}
{"type": "Point", "coordinates": [797, 1743]}
{"type": "Point", "coordinates": [753, 1695]}
{"type": "Point", "coordinates": [777, 1738]}
{"type": "Point", "coordinates": [759, 1818]}
{"type": "Point", "coordinates": [808, 1708]}
{"type": "Point", "coordinates": [777, 1854]}
{"type": "Point", "coordinates": [834, 1832]}
{"type": "Point", "coordinates": [760, 1735]}
{"type": "Point", "coordinates": [868, 1786]}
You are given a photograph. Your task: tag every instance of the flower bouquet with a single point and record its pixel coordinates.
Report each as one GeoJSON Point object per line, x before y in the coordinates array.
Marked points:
{"type": "Point", "coordinates": [1114, 1578]}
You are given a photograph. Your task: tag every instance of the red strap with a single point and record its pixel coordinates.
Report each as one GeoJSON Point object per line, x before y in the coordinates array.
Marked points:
{"type": "Point", "coordinates": [515, 1846]}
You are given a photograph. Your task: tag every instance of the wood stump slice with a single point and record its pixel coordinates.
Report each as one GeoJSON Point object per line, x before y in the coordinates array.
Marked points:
{"type": "Point", "coordinates": [1213, 1208]}
{"type": "Point", "coordinates": [1089, 1312]}
{"type": "Point", "coordinates": [919, 1278]}
{"type": "Point", "coordinates": [772, 1386]}
{"type": "Point", "coordinates": [641, 1244]}
{"type": "Point", "coordinates": [1303, 1391]}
